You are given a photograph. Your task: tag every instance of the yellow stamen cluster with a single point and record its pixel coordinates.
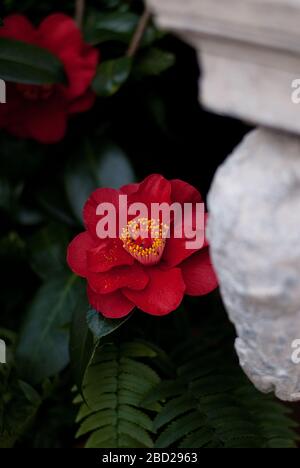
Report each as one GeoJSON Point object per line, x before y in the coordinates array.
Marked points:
{"type": "Point", "coordinates": [144, 252]}
{"type": "Point", "coordinates": [147, 231]}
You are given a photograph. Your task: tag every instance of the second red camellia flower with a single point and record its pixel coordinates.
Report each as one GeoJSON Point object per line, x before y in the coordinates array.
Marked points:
{"type": "Point", "coordinates": [41, 112]}
{"type": "Point", "coordinates": [152, 274]}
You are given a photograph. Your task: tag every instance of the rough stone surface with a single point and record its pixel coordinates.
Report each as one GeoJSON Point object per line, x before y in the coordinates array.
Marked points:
{"type": "Point", "coordinates": [254, 231]}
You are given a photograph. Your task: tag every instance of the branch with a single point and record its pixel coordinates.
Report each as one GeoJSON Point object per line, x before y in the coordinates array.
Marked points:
{"type": "Point", "coordinates": [139, 33]}
{"type": "Point", "coordinates": [79, 12]}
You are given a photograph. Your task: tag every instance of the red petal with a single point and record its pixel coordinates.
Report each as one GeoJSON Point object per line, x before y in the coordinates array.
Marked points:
{"type": "Point", "coordinates": [163, 294]}
{"type": "Point", "coordinates": [47, 121]}
{"type": "Point", "coordinates": [60, 34]}
{"type": "Point", "coordinates": [198, 274]}
{"type": "Point", "coordinates": [15, 114]}
{"type": "Point", "coordinates": [109, 254]}
{"type": "Point", "coordinates": [206, 243]}
{"type": "Point", "coordinates": [112, 306]}
{"type": "Point", "coordinates": [182, 192]}
{"type": "Point", "coordinates": [19, 27]}
{"type": "Point", "coordinates": [3, 116]}
{"type": "Point", "coordinates": [77, 253]}
{"type": "Point", "coordinates": [83, 103]}
{"type": "Point", "coordinates": [133, 277]}
{"type": "Point", "coordinates": [154, 189]}
{"type": "Point", "coordinates": [11, 113]}
{"type": "Point", "coordinates": [129, 189]}
{"type": "Point", "coordinates": [102, 195]}
{"type": "Point", "coordinates": [176, 250]}
{"type": "Point", "coordinates": [80, 69]}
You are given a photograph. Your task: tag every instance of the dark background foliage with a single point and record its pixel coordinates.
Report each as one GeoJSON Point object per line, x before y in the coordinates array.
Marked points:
{"type": "Point", "coordinates": [150, 122]}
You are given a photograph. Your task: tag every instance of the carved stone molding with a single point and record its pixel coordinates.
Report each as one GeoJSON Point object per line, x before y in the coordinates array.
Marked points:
{"type": "Point", "coordinates": [249, 51]}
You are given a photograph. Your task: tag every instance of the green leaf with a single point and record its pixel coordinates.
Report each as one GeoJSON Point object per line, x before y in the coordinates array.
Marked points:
{"type": "Point", "coordinates": [104, 165]}
{"type": "Point", "coordinates": [82, 344]}
{"type": "Point", "coordinates": [13, 246]}
{"type": "Point", "coordinates": [139, 349]}
{"type": "Point", "coordinates": [179, 428]}
{"type": "Point", "coordinates": [113, 415]}
{"type": "Point", "coordinates": [117, 26]}
{"type": "Point", "coordinates": [43, 348]}
{"type": "Point", "coordinates": [137, 416]}
{"type": "Point", "coordinates": [101, 326]}
{"type": "Point", "coordinates": [153, 62]}
{"type": "Point", "coordinates": [212, 404]}
{"type": "Point", "coordinates": [19, 401]}
{"type": "Point", "coordinates": [30, 393]}
{"type": "Point", "coordinates": [172, 410]}
{"type": "Point", "coordinates": [25, 63]}
{"type": "Point", "coordinates": [114, 168]}
{"type": "Point", "coordinates": [5, 195]}
{"type": "Point", "coordinates": [111, 75]}
{"type": "Point", "coordinates": [52, 201]}
{"type": "Point", "coordinates": [19, 412]}
{"type": "Point", "coordinates": [136, 432]}
{"type": "Point", "coordinates": [9, 195]}
{"type": "Point", "coordinates": [96, 421]}
{"type": "Point", "coordinates": [198, 438]}
{"type": "Point", "coordinates": [47, 250]}
{"type": "Point", "coordinates": [103, 27]}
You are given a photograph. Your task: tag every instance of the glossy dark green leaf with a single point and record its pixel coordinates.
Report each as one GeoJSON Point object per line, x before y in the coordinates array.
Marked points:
{"type": "Point", "coordinates": [51, 199]}
{"type": "Point", "coordinates": [5, 194]}
{"type": "Point", "coordinates": [20, 158]}
{"type": "Point", "coordinates": [18, 413]}
{"type": "Point", "coordinates": [30, 393]}
{"type": "Point", "coordinates": [104, 165]}
{"type": "Point", "coordinates": [86, 332]}
{"type": "Point", "coordinates": [43, 348]}
{"type": "Point", "coordinates": [117, 25]}
{"type": "Point", "coordinates": [12, 246]}
{"type": "Point", "coordinates": [25, 63]}
{"type": "Point", "coordinates": [109, 4]}
{"type": "Point", "coordinates": [47, 251]}
{"type": "Point", "coordinates": [9, 195]}
{"type": "Point", "coordinates": [111, 75]}
{"type": "Point", "coordinates": [153, 62]}
{"type": "Point", "coordinates": [101, 326]}
{"type": "Point", "coordinates": [82, 344]}
{"type": "Point", "coordinates": [19, 401]}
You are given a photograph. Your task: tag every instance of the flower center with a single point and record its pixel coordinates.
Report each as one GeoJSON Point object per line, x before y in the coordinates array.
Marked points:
{"type": "Point", "coordinates": [35, 92]}
{"type": "Point", "coordinates": [145, 240]}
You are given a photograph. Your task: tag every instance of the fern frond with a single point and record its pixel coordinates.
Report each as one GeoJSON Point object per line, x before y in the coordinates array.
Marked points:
{"type": "Point", "coordinates": [113, 414]}
{"type": "Point", "coordinates": [211, 404]}
{"type": "Point", "coordinates": [19, 402]}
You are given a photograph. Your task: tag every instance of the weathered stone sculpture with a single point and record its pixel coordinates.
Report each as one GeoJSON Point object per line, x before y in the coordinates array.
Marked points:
{"type": "Point", "coordinates": [250, 57]}
{"type": "Point", "coordinates": [254, 230]}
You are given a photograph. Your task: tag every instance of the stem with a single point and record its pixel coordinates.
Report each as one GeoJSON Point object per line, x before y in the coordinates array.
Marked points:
{"type": "Point", "coordinates": [79, 12]}
{"type": "Point", "coordinates": [139, 33]}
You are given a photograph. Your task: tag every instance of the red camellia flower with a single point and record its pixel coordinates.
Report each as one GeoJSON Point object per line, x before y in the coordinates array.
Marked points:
{"type": "Point", "coordinates": [151, 273]}
{"type": "Point", "coordinates": [41, 111]}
